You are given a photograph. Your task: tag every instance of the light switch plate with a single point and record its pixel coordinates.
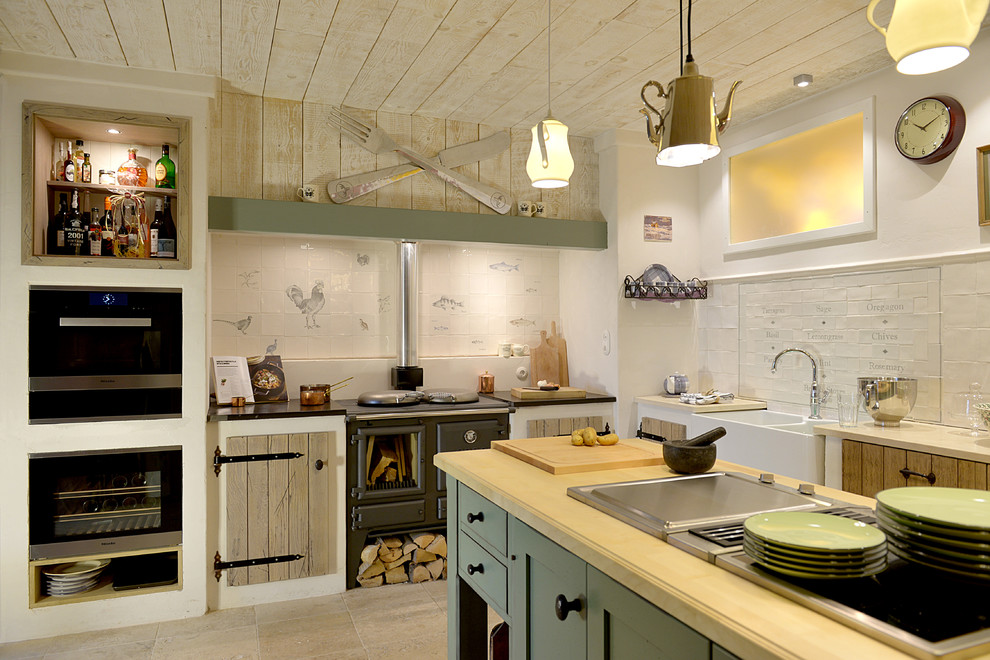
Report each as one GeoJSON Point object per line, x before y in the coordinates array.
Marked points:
{"type": "Point", "coordinates": [606, 343]}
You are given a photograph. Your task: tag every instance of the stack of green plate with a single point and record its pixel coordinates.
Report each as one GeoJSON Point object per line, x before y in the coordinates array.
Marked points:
{"type": "Point", "coordinates": [814, 545]}
{"type": "Point", "coordinates": [943, 528]}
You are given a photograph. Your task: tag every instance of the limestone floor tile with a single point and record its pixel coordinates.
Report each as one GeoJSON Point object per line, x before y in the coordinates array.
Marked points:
{"type": "Point", "coordinates": [429, 647]}
{"type": "Point", "coordinates": [101, 638]}
{"type": "Point", "coordinates": [227, 644]}
{"type": "Point", "coordinates": [130, 651]}
{"type": "Point", "coordinates": [378, 599]}
{"type": "Point", "coordinates": [31, 648]}
{"type": "Point", "coordinates": [308, 637]}
{"type": "Point", "coordinates": [216, 620]}
{"type": "Point", "coordinates": [438, 592]}
{"type": "Point", "coordinates": [298, 609]}
{"type": "Point", "coordinates": [410, 622]}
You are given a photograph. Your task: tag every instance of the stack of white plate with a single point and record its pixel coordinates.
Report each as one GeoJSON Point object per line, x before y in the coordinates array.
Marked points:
{"type": "Point", "coordinates": [74, 577]}
{"type": "Point", "coordinates": [943, 528]}
{"type": "Point", "coordinates": [814, 545]}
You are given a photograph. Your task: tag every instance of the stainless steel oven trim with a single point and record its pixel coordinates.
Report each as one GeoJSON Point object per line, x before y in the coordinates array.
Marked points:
{"type": "Point", "coordinates": [130, 543]}
{"type": "Point", "coordinates": [91, 322]}
{"type": "Point", "coordinates": [399, 414]}
{"type": "Point", "coordinates": [104, 382]}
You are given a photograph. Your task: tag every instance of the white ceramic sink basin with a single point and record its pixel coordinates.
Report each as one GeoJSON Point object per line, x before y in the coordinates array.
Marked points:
{"type": "Point", "coordinates": [782, 443]}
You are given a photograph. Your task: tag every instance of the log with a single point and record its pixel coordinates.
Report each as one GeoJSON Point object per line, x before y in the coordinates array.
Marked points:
{"type": "Point", "coordinates": [391, 474]}
{"type": "Point", "coordinates": [438, 547]}
{"type": "Point", "coordinates": [379, 469]}
{"type": "Point", "coordinates": [424, 540]}
{"type": "Point", "coordinates": [369, 553]}
{"type": "Point", "coordinates": [371, 569]}
{"type": "Point", "coordinates": [436, 568]}
{"type": "Point", "coordinates": [419, 573]}
{"type": "Point", "coordinates": [398, 562]}
{"type": "Point", "coordinates": [371, 582]}
{"type": "Point", "coordinates": [396, 575]}
{"type": "Point", "coordinates": [391, 541]}
{"type": "Point", "coordinates": [389, 555]}
{"type": "Point", "coordinates": [423, 556]}
{"type": "Point", "coordinates": [409, 546]}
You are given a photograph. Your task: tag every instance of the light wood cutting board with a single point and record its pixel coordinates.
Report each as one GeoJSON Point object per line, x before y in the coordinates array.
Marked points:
{"type": "Point", "coordinates": [562, 393]}
{"type": "Point", "coordinates": [558, 456]}
{"type": "Point", "coordinates": [544, 362]}
{"type": "Point", "coordinates": [558, 342]}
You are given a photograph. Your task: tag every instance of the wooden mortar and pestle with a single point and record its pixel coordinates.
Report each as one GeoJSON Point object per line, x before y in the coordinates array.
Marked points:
{"type": "Point", "coordinates": [692, 456]}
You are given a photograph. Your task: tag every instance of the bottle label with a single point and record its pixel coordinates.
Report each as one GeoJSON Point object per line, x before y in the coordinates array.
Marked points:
{"type": "Point", "coordinates": [75, 237]}
{"type": "Point", "coordinates": [166, 248]}
{"type": "Point", "coordinates": [153, 243]}
{"type": "Point", "coordinates": [95, 244]}
{"type": "Point", "coordinates": [60, 238]}
{"type": "Point", "coordinates": [160, 172]}
{"type": "Point", "coordinates": [70, 172]}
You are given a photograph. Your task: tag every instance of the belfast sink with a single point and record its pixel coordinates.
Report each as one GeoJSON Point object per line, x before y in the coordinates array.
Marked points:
{"type": "Point", "coordinates": [782, 443]}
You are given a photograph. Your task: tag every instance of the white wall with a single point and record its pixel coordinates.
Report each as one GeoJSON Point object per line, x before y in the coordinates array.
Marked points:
{"type": "Point", "coordinates": [28, 78]}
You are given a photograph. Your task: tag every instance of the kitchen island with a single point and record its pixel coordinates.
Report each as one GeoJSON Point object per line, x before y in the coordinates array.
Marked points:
{"type": "Point", "coordinates": [701, 601]}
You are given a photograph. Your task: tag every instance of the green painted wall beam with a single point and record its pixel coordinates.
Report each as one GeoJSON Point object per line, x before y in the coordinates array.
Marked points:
{"type": "Point", "coordinates": [278, 217]}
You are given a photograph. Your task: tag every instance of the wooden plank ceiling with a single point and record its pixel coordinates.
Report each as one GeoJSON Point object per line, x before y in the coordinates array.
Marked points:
{"type": "Point", "coordinates": [478, 61]}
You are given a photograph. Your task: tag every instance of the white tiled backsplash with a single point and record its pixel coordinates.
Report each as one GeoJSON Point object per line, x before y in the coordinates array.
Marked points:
{"type": "Point", "coordinates": [930, 323]}
{"type": "Point", "coordinates": [336, 298]}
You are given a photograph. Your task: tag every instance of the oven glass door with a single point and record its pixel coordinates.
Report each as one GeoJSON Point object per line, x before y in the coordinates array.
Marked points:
{"type": "Point", "coordinates": [390, 461]}
{"type": "Point", "coordinates": [84, 503]}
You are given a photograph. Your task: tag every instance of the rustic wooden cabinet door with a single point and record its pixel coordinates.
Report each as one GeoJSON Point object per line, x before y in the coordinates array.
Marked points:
{"type": "Point", "coordinates": [279, 507]}
{"type": "Point", "coordinates": [867, 469]}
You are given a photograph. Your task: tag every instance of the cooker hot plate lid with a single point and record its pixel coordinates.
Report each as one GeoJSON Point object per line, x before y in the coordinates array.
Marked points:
{"type": "Point", "coordinates": [408, 397]}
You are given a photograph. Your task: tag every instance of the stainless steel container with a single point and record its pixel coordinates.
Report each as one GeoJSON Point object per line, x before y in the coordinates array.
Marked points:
{"type": "Point", "coordinates": [888, 399]}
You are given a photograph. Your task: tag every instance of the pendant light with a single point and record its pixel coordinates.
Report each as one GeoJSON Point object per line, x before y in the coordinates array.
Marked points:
{"type": "Point", "coordinates": [686, 132]}
{"type": "Point", "coordinates": [925, 36]}
{"type": "Point", "coordinates": [550, 163]}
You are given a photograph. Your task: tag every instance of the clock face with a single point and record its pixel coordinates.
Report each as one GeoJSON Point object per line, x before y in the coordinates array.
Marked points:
{"type": "Point", "coordinates": [930, 129]}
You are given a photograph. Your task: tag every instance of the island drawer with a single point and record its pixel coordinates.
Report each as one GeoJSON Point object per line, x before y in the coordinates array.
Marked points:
{"type": "Point", "coordinates": [482, 519]}
{"type": "Point", "coordinates": [482, 571]}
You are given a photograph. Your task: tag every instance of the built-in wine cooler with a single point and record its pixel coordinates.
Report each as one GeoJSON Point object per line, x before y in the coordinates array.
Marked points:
{"type": "Point", "coordinates": [106, 501]}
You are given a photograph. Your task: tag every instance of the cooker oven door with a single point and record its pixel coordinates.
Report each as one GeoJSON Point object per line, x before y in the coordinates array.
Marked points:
{"type": "Point", "coordinates": [468, 434]}
{"type": "Point", "coordinates": [389, 462]}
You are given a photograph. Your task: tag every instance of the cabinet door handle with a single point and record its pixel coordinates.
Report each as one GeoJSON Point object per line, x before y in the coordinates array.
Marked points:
{"type": "Point", "coordinates": [930, 477]}
{"type": "Point", "coordinates": [480, 517]}
{"type": "Point", "coordinates": [476, 568]}
{"type": "Point", "coordinates": [562, 606]}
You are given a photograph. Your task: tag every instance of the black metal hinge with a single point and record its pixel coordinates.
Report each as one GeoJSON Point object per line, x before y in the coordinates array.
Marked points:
{"type": "Point", "coordinates": [219, 566]}
{"type": "Point", "coordinates": [219, 459]}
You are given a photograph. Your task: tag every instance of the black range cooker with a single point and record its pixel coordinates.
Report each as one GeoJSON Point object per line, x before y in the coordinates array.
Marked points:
{"type": "Point", "coordinates": [392, 486]}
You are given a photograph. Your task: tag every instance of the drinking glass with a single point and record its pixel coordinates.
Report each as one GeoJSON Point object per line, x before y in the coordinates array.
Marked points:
{"type": "Point", "coordinates": [848, 402]}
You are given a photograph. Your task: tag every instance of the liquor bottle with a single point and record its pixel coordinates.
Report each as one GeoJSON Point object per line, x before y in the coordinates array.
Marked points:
{"type": "Point", "coordinates": [155, 229]}
{"type": "Point", "coordinates": [165, 170]}
{"type": "Point", "coordinates": [95, 233]}
{"type": "Point", "coordinates": [133, 233]}
{"type": "Point", "coordinates": [57, 162]}
{"type": "Point", "coordinates": [106, 230]}
{"type": "Point", "coordinates": [56, 227]}
{"type": "Point", "coordinates": [69, 166]}
{"type": "Point", "coordinates": [167, 235]}
{"type": "Point", "coordinates": [120, 249]}
{"type": "Point", "coordinates": [131, 172]}
{"type": "Point", "coordinates": [77, 159]}
{"type": "Point", "coordinates": [75, 232]}
{"type": "Point", "coordinates": [87, 169]}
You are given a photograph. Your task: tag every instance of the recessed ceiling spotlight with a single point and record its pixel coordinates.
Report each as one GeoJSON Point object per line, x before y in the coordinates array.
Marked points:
{"type": "Point", "coordinates": [803, 80]}
{"type": "Point", "coordinates": [113, 131]}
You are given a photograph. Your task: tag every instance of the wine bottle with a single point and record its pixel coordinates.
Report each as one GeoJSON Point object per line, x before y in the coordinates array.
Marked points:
{"type": "Point", "coordinates": [77, 159]}
{"type": "Point", "coordinates": [57, 161]}
{"type": "Point", "coordinates": [120, 249]}
{"type": "Point", "coordinates": [167, 235]}
{"type": "Point", "coordinates": [56, 227]}
{"type": "Point", "coordinates": [95, 233]}
{"type": "Point", "coordinates": [75, 233]}
{"type": "Point", "coordinates": [87, 169]}
{"type": "Point", "coordinates": [69, 166]}
{"type": "Point", "coordinates": [106, 230]}
{"type": "Point", "coordinates": [133, 232]}
{"type": "Point", "coordinates": [165, 170]}
{"type": "Point", "coordinates": [156, 225]}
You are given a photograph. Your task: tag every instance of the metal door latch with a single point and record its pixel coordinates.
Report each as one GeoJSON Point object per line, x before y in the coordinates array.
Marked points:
{"type": "Point", "coordinates": [219, 459]}
{"type": "Point", "coordinates": [219, 566]}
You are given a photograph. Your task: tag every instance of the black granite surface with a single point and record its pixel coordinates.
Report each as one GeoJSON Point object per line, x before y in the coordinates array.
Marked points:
{"type": "Point", "coordinates": [272, 410]}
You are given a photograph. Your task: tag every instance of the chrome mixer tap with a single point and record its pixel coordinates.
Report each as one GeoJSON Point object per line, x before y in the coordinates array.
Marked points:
{"type": "Point", "coordinates": [816, 400]}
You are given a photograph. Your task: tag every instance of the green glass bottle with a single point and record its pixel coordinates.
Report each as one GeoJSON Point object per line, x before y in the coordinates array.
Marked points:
{"type": "Point", "coordinates": [165, 170]}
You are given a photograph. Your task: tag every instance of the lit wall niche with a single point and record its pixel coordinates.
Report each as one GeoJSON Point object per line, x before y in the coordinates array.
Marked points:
{"type": "Point", "coordinates": [810, 182]}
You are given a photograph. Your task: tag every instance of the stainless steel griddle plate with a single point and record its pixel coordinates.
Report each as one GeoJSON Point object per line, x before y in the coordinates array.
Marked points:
{"type": "Point", "coordinates": [666, 505]}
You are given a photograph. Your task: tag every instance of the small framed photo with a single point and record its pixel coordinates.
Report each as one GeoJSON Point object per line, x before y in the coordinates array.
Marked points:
{"type": "Point", "coordinates": [983, 182]}
{"type": "Point", "coordinates": [657, 228]}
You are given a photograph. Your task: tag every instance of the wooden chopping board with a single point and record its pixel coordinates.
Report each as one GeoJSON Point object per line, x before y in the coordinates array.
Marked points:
{"type": "Point", "coordinates": [562, 393]}
{"type": "Point", "coordinates": [544, 362]}
{"type": "Point", "coordinates": [558, 456]}
{"type": "Point", "coordinates": [558, 342]}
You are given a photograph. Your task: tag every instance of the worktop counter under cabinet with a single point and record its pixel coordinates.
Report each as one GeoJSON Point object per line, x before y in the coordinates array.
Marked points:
{"type": "Point", "coordinates": [620, 592]}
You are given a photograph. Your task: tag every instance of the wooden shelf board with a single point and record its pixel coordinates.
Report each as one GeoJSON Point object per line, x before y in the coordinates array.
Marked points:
{"type": "Point", "coordinates": [113, 187]}
{"type": "Point", "coordinates": [321, 219]}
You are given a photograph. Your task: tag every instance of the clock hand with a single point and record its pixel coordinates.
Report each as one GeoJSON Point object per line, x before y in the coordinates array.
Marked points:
{"type": "Point", "coordinates": [921, 127]}
{"type": "Point", "coordinates": [925, 127]}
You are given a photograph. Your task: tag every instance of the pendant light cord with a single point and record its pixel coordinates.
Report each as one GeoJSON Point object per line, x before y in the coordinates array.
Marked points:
{"type": "Point", "coordinates": [680, 25]}
{"type": "Point", "coordinates": [548, 58]}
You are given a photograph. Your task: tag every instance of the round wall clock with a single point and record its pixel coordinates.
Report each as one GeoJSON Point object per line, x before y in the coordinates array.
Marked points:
{"type": "Point", "coordinates": [930, 129]}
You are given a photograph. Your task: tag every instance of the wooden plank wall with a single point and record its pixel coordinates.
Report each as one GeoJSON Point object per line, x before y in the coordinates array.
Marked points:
{"type": "Point", "coordinates": [546, 428]}
{"type": "Point", "coordinates": [266, 148]}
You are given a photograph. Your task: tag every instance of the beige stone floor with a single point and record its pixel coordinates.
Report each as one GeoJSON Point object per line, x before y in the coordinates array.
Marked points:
{"type": "Point", "coordinates": [349, 626]}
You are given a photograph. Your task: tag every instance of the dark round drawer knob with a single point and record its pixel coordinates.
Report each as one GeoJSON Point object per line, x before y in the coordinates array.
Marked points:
{"type": "Point", "coordinates": [480, 517]}
{"type": "Point", "coordinates": [475, 568]}
{"type": "Point", "coordinates": [319, 464]}
{"type": "Point", "coordinates": [562, 607]}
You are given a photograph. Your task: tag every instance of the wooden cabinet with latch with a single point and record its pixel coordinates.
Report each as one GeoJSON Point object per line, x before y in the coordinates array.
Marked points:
{"type": "Point", "coordinates": [869, 468]}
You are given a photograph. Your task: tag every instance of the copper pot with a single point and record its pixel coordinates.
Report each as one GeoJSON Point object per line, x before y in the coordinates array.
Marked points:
{"type": "Point", "coordinates": [486, 383]}
{"type": "Point", "coordinates": [312, 397]}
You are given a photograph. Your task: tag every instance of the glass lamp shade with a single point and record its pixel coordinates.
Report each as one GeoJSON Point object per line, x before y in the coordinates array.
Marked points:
{"type": "Point", "coordinates": [931, 60]}
{"type": "Point", "coordinates": [559, 165]}
{"type": "Point", "coordinates": [690, 126]}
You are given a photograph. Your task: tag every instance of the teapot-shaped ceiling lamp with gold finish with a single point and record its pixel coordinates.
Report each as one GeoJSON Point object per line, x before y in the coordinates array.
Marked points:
{"type": "Point", "coordinates": [925, 36]}
{"type": "Point", "coordinates": [686, 131]}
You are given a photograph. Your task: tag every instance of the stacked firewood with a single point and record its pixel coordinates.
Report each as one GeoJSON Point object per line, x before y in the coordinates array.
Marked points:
{"type": "Point", "coordinates": [409, 558]}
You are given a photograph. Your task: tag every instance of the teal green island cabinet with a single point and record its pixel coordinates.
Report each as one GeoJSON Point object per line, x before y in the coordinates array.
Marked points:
{"type": "Point", "coordinates": [555, 604]}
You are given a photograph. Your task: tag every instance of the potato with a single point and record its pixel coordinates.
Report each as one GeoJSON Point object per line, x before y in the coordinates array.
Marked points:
{"type": "Point", "coordinates": [577, 439]}
{"type": "Point", "coordinates": [609, 439]}
{"type": "Point", "coordinates": [590, 436]}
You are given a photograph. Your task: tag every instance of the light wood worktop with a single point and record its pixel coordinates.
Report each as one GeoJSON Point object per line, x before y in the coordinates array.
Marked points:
{"type": "Point", "coordinates": [916, 436]}
{"type": "Point", "coordinates": [674, 403]}
{"type": "Point", "coordinates": [748, 620]}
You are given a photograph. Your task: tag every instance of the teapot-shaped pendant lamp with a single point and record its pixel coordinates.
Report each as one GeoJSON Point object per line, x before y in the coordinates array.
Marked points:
{"type": "Point", "coordinates": [925, 36]}
{"type": "Point", "coordinates": [686, 132]}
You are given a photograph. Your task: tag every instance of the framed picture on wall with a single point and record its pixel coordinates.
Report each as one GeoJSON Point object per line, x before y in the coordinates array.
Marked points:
{"type": "Point", "coordinates": [983, 182]}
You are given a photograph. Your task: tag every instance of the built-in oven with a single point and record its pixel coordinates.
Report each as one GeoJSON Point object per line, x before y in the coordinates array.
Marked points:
{"type": "Point", "coordinates": [104, 353]}
{"type": "Point", "coordinates": [83, 503]}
